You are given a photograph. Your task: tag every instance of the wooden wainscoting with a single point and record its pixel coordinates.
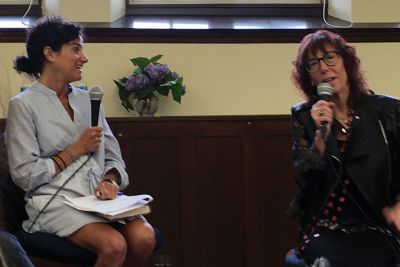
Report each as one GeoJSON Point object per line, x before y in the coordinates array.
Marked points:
{"type": "Point", "coordinates": [221, 186]}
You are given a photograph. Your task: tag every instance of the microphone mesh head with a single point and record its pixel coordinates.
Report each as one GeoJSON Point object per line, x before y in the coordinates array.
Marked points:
{"type": "Point", "coordinates": [324, 90]}
{"type": "Point", "coordinates": [95, 93]}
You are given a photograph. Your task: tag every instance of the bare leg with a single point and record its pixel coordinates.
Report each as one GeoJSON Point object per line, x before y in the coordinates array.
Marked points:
{"type": "Point", "coordinates": [101, 238]}
{"type": "Point", "coordinates": [140, 239]}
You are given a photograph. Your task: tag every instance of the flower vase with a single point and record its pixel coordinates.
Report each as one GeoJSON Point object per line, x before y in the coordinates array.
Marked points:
{"type": "Point", "coordinates": [146, 107]}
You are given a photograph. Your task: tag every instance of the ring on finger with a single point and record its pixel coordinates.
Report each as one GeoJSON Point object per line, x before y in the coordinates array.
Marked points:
{"type": "Point", "coordinates": [320, 113]}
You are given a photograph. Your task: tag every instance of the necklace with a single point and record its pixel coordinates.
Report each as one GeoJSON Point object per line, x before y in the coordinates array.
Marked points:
{"type": "Point", "coordinates": [345, 121]}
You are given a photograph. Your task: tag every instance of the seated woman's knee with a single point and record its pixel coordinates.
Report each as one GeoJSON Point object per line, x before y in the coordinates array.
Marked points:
{"type": "Point", "coordinates": [115, 246]}
{"type": "Point", "coordinates": [143, 235]}
{"type": "Point", "coordinates": [148, 238]}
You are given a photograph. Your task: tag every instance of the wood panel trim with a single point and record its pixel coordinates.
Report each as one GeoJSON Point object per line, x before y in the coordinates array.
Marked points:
{"type": "Point", "coordinates": [181, 119]}
{"type": "Point", "coordinates": [200, 118]}
{"type": "Point", "coordinates": [106, 34]}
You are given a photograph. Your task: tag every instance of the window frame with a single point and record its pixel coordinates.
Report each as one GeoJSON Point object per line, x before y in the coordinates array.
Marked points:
{"type": "Point", "coordinates": [121, 31]}
{"type": "Point", "coordinates": [14, 10]}
{"type": "Point", "coordinates": [281, 10]}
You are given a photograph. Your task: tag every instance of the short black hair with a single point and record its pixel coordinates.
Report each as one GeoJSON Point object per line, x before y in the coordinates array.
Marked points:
{"type": "Point", "coordinates": [52, 31]}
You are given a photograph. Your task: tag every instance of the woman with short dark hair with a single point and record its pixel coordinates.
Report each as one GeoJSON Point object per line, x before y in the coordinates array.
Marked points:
{"type": "Point", "coordinates": [53, 150]}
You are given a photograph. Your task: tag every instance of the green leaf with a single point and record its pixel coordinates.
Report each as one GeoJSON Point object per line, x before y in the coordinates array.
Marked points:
{"type": "Point", "coordinates": [177, 92]}
{"type": "Point", "coordinates": [128, 106]}
{"type": "Point", "coordinates": [121, 82]}
{"type": "Point", "coordinates": [155, 59]}
{"type": "Point", "coordinates": [123, 94]}
{"type": "Point", "coordinates": [141, 62]}
{"type": "Point", "coordinates": [169, 83]}
{"type": "Point", "coordinates": [163, 90]}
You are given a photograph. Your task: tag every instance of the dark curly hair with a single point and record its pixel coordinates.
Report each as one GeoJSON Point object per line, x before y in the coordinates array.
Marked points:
{"type": "Point", "coordinates": [52, 31]}
{"type": "Point", "coordinates": [318, 41]}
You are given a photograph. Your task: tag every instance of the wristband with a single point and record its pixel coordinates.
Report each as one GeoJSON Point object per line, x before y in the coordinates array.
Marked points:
{"type": "Point", "coordinates": [58, 164]}
{"type": "Point", "coordinates": [63, 162]}
{"type": "Point", "coordinates": [73, 158]}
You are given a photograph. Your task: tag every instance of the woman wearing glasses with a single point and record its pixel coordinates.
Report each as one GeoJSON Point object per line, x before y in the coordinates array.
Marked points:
{"type": "Point", "coordinates": [346, 154]}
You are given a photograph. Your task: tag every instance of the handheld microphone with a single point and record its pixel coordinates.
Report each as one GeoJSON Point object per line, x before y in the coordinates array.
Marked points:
{"type": "Point", "coordinates": [324, 92]}
{"type": "Point", "coordinates": [95, 95]}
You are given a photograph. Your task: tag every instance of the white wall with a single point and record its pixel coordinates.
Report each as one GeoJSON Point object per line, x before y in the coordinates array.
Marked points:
{"type": "Point", "coordinates": [376, 11]}
{"type": "Point", "coordinates": [85, 10]}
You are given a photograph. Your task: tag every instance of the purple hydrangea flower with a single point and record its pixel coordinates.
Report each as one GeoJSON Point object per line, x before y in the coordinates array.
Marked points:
{"type": "Point", "coordinates": [156, 72]}
{"type": "Point", "coordinates": [137, 82]}
{"type": "Point", "coordinates": [175, 75]}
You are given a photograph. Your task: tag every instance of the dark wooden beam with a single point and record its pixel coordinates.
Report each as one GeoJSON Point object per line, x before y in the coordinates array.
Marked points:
{"type": "Point", "coordinates": [122, 32]}
{"type": "Point", "coordinates": [19, 10]}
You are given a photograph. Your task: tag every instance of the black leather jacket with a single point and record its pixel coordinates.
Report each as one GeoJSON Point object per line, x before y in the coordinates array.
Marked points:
{"type": "Point", "coordinates": [372, 160]}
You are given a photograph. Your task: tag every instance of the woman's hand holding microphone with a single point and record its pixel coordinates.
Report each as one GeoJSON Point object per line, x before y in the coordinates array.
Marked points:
{"type": "Point", "coordinates": [88, 142]}
{"type": "Point", "coordinates": [322, 113]}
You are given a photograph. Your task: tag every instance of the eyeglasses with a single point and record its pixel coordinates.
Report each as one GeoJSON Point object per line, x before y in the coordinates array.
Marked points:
{"type": "Point", "coordinates": [329, 59]}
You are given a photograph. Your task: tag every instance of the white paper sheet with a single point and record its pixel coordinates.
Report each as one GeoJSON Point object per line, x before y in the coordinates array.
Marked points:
{"type": "Point", "coordinates": [115, 206]}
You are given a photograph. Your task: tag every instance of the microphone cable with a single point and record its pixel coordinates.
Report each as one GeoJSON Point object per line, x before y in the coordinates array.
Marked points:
{"type": "Point", "coordinates": [26, 13]}
{"type": "Point", "coordinates": [55, 194]}
{"type": "Point", "coordinates": [66, 181]}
